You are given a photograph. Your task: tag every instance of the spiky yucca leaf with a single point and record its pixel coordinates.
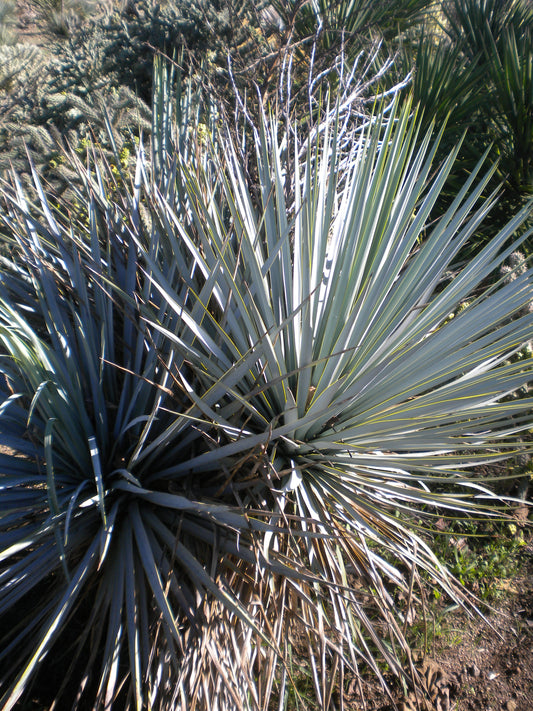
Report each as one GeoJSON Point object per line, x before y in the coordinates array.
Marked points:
{"type": "Point", "coordinates": [511, 71]}
{"type": "Point", "coordinates": [230, 413]}
{"type": "Point", "coordinates": [472, 22]}
{"type": "Point", "coordinates": [497, 37]}
{"type": "Point", "coordinates": [344, 20]}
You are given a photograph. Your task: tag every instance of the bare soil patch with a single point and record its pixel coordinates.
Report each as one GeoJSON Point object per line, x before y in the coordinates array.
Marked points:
{"type": "Point", "coordinates": [492, 668]}
{"type": "Point", "coordinates": [31, 27]}
{"type": "Point", "coordinates": [475, 665]}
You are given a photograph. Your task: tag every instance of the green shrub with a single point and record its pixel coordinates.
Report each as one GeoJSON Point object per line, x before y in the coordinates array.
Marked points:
{"type": "Point", "coordinates": [44, 116]}
{"type": "Point", "coordinates": [129, 37]}
{"type": "Point", "coordinates": [107, 61]}
{"type": "Point", "coordinates": [225, 413]}
{"type": "Point", "coordinates": [481, 554]}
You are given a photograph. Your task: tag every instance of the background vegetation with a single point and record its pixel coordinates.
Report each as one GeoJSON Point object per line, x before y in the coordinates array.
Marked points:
{"type": "Point", "coordinates": [470, 64]}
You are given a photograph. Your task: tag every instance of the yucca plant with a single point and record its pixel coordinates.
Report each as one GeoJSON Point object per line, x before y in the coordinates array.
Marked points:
{"type": "Point", "coordinates": [445, 91]}
{"type": "Point", "coordinates": [496, 36]}
{"type": "Point", "coordinates": [343, 20]}
{"type": "Point", "coordinates": [228, 413]}
{"type": "Point", "coordinates": [471, 22]}
{"type": "Point", "coordinates": [511, 71]}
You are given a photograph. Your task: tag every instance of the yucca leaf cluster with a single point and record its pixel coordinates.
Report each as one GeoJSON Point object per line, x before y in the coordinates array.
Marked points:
{"type": "Point", "coordinates": [472, 63]}
{"type": "Point", "coordinates": [226, 412]}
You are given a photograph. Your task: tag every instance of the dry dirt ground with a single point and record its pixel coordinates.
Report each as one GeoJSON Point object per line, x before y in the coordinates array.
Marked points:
{"type": "Point", "coordinates": [476, 667]}
{"type": "Point", "coordinates": [472, 666]}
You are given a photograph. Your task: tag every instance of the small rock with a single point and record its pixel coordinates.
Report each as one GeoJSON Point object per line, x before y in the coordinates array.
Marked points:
{"type": "Point", "coordinates": [522, 512]}
{"type": "Point", "coordinates": [474, 671]}
{"type": "Point", "coordinates": [510, 705]}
